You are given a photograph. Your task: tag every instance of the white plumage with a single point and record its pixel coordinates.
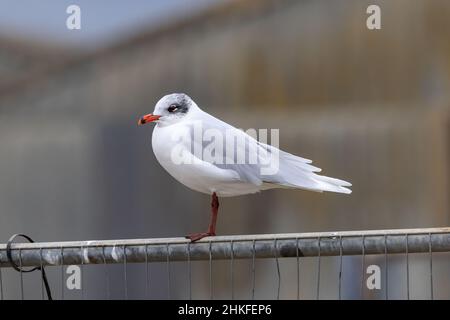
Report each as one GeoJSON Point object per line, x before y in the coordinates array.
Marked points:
{"type": "Point", "coordinates": [226, 177]}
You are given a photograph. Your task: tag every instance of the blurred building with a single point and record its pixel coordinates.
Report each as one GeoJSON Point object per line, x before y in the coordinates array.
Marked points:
{"type": "Point", "coordinates": [370, 107]}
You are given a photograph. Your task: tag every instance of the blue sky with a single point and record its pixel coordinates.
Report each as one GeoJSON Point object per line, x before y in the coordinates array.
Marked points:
{"type": "Point", "coordinates": [102, 21]}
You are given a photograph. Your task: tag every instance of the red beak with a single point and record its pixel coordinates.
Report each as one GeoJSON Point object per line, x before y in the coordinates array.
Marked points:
{"type": "Point", "coordinates": [148, 118]}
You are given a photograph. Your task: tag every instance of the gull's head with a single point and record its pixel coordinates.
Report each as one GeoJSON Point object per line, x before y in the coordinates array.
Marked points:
{"type": "Point", "coordinates": [170, 109]}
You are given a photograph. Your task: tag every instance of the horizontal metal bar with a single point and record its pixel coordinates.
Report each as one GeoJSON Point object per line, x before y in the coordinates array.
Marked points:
{"type": "Point", "coordinates": [112, 251]}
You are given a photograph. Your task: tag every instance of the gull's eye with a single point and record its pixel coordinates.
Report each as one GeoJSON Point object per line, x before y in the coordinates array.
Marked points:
{"type": "Point", "coordinates": [172, 108]}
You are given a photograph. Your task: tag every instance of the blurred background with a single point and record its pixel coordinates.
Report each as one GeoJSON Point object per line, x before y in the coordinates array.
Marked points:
{"type": "Point", "coordinates": [368, 106]}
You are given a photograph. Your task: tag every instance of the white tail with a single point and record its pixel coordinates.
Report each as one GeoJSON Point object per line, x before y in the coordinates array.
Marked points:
{"type": "Point", "coordinates": [297, 172]}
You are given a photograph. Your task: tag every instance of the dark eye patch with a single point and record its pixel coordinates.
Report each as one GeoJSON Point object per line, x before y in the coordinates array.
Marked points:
{"type": "Point", "coordinates": [179, 105]}
{"type": "Point", "coordinates": [173, 108]}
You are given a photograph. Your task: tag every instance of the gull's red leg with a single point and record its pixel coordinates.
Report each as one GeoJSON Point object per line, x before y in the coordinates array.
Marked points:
{"type": "Point", "coordinates": [212, 224]}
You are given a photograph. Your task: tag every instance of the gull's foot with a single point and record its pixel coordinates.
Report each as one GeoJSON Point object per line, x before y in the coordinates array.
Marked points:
{"type": "Point", "coordinates": [197, 236]}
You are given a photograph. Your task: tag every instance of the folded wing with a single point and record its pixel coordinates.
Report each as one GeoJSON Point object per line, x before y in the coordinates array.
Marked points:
{"type": "Point", "coordinates": [286, 170]}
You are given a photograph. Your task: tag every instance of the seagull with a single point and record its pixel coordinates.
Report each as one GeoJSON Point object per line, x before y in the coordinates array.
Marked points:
{"type": "Point", "coordinates": [211, 156]}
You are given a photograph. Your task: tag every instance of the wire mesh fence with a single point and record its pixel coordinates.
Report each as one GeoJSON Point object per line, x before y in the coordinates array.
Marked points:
{"type": "Point", "coordinates": [384, 264]}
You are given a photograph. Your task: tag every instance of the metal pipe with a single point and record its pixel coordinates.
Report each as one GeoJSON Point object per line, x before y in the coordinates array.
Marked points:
{"type": "Point", "coordinates": [244, 247]}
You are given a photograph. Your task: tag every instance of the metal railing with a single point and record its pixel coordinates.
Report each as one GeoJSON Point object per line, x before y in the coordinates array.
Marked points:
{"type": "Point", "coordinates": [249, 247]}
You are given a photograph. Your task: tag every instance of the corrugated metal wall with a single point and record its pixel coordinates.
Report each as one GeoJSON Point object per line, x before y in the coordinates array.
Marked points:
{"type": "Point", "coordinates": [368, 106]}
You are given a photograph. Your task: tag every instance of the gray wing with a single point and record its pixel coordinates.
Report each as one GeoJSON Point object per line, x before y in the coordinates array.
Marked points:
{"type": "Point", "coordinates": [227, 147]}
{"type": "Point", "coordinates": [216, 149]}
{"type": "Point", "coordinates": [256, 162]}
